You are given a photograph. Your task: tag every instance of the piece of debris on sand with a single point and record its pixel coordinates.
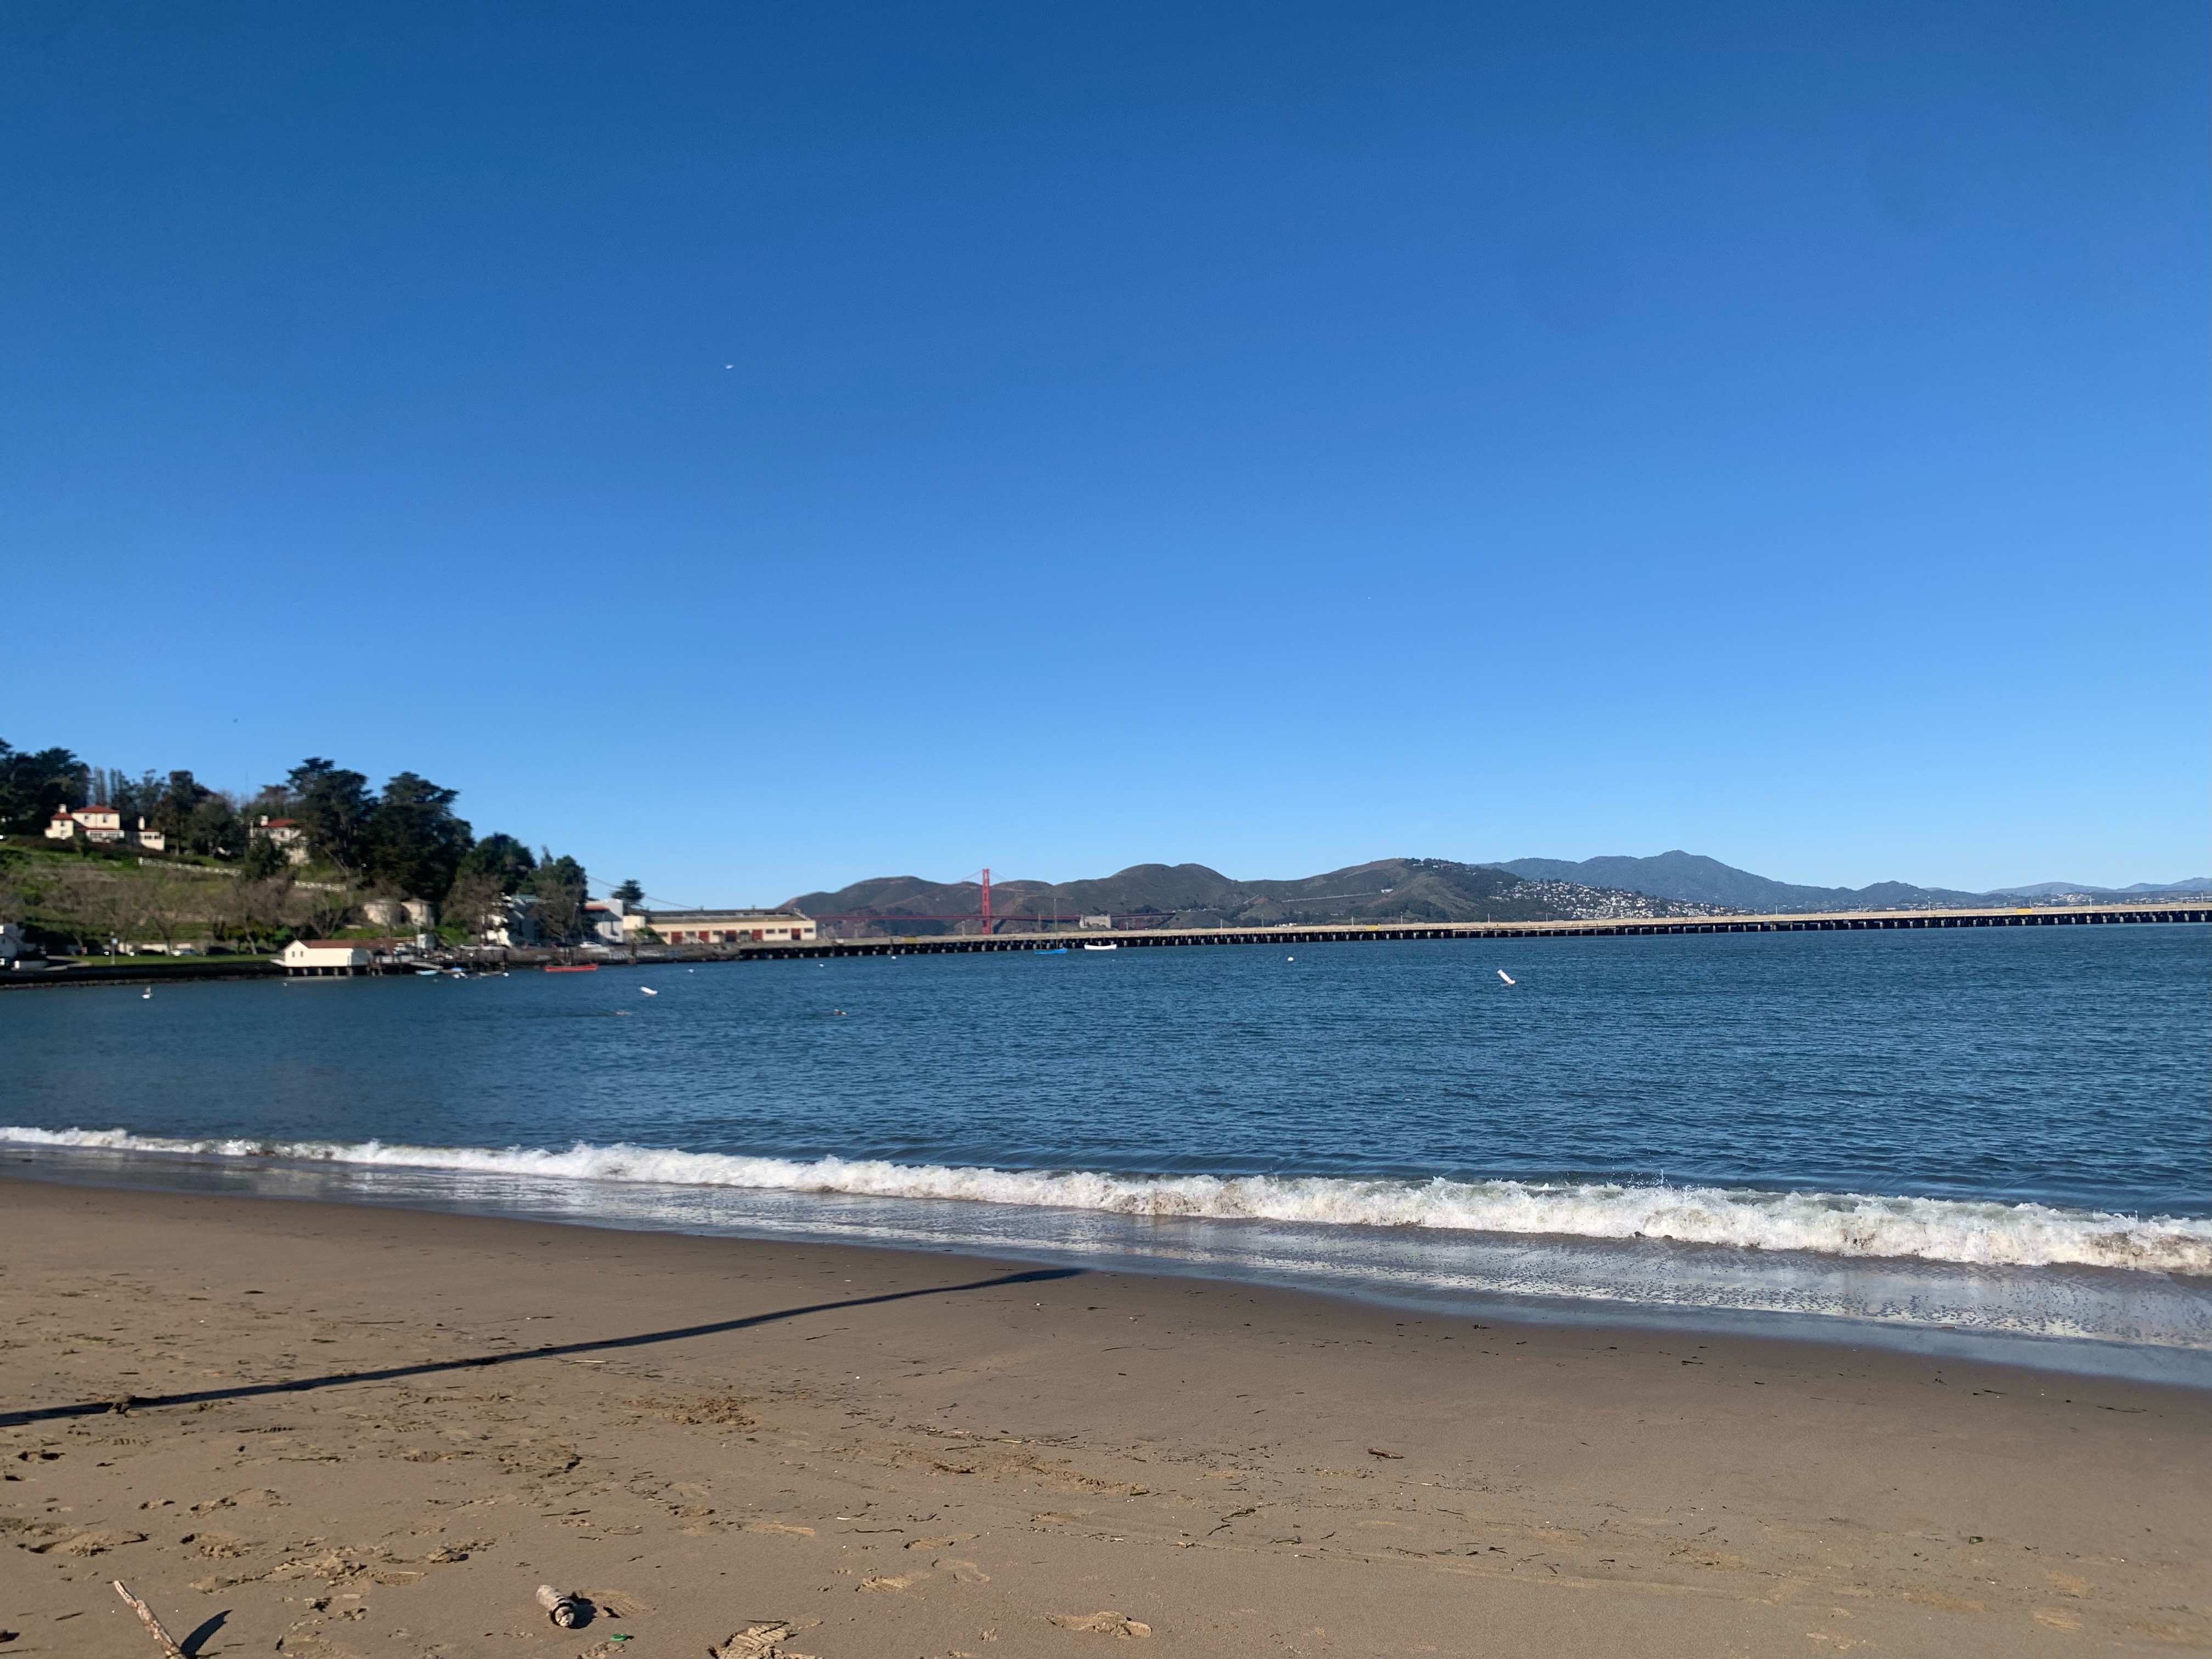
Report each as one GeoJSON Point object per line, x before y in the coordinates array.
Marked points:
{"type": "Point", "coordinates": [762, 1638]}
{"type": "Point", "coordinates": [1100, 1623]}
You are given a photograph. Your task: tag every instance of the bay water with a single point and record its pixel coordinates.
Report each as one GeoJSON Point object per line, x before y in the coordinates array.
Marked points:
{"type": "Point", "coordinates": [1986, 1140]}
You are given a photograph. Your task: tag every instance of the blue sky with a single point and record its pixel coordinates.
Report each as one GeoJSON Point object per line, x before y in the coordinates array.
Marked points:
{"type": "Point", "coordinates": [758, 448]}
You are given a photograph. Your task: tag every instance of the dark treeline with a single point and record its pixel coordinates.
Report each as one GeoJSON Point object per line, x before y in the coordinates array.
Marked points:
{"type": "Point", "coordinates": [403, 841]}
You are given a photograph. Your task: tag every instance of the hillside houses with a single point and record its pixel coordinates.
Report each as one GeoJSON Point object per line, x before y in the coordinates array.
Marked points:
{"type": "Point", "coordinates": [104, 824]}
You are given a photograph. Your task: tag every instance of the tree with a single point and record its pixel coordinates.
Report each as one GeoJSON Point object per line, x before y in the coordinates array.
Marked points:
{"type": "Point", "coordinates": [175, 899]}
{"type": "Point", "coordinates": [332, 805]}
{"type": "Point", "coordinates": [216, 826]}
{"type": "Point", "coordinates": [561, 891]}
{"type": "Point", "coordinates": [323, 906]}
{"type": "Point", "coordinates": [34, 786]}
{"type": "Point", "coordinates": [411, 838]}
{"type": "Point", "coordinates": [474, 903]}
{"type": "Point", "coordinates": [261, 908]}
{"type": "Point", "coordinates": [90, 904]}
{"type": "Point", "coordinates": [264, 859]}
{"type": "Point", "coordinates": [174, 807]}
{"type": "Point", "coordinates": [502, 857]}
{"type": "Point", "coordinates": [132, 797]}
{"type": "Point", "coordinates": [629, 892]}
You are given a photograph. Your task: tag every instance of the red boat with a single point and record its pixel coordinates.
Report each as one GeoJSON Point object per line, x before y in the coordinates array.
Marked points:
{"type": "Point", "coordinates": [571, 967]}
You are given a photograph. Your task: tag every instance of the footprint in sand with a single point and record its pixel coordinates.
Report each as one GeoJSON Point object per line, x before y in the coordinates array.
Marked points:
{"type": "Point", "coordinates": [1099, 1624]}
{"type": "Point", "coordinates": [903, 1581]}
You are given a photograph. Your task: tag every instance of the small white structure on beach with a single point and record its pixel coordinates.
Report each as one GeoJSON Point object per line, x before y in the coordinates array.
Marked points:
{"type": "Point", "coordinates": [1096, 922]}
{"type": "Point", "coordinates": [336, 956]}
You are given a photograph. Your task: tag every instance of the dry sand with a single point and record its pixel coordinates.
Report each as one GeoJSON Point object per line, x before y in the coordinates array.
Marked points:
{"type": "Point", "coordinates": [863, 1452]}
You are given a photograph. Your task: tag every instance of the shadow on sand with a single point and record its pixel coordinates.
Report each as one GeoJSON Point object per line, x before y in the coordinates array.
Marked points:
{"type": "Point", "coordinates": [644, 1338]}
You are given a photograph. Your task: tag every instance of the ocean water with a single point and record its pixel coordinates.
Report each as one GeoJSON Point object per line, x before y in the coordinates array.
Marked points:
{"type": "Point", "coordinates": [1940, 1139]}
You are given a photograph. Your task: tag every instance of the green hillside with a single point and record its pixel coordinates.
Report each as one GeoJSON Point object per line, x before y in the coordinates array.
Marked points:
{"type": "Point", "coordinates": [1192, 895]}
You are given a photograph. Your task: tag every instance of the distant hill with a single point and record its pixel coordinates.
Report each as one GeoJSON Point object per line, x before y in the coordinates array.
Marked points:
{"type": "Point", "coordinates": [2046, 889]}
{"type": "Point", "coordinates": [1390, 890]}
{"type": "Point", "coordinates": [1697, 880]}
{"type": "Point", "coordinates": [1192, 895]}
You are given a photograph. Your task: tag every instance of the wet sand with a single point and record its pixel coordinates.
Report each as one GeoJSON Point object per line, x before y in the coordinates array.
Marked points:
{"type": "Point", "coordinates": [851, 1452]}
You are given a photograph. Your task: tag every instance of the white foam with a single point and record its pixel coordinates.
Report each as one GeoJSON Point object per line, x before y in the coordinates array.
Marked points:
{"type": "Point", "coordinates": [1848, 1225]}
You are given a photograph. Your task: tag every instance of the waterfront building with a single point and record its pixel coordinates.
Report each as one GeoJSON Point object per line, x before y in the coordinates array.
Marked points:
{"type": "Point", "coordinates": [337, 956]}
{"type": "Point", "coordinates": [721, 927]}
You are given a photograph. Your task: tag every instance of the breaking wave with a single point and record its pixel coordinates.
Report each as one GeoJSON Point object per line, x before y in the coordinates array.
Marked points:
{"type": "Point", "coordinates": [1845, 1225]}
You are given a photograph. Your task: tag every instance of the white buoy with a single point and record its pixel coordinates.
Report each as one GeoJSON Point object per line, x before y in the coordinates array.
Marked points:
{"type": "Point", "coordinates": [1507, 977]}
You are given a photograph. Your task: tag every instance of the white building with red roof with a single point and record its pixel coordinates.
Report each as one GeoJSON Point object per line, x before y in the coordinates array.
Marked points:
{"type": "Point", "coordinates": [93, 822]}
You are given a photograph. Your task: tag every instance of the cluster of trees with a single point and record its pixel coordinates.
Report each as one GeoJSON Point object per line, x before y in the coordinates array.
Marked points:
{"type": "Point", "coordinates": [35, 784]}
{"type": "Point", "coordinates": [89, 902]}
{"type": "Point", "coordinates": [403, 841]}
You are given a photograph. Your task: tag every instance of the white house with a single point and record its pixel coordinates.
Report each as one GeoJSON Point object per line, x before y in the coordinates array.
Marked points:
{"type": "Point", "coordinates": [153, 841]}
{"type": "Point", "coordinates": [287, 833]}
{"type": "Point", "coordinates": [1096, 922]}
{"type": "Point", "coordinates": [336, 956]}
{"type": "Point", "coordinates": [510, 920]}
{"type": "Point", "coordinates": [95, 822]}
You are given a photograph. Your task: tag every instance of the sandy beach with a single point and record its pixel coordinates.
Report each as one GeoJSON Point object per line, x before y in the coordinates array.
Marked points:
{"type": "Point", "coordinates": [377, 1432]}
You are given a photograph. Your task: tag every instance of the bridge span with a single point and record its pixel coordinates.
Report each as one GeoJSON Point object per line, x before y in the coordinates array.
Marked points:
{"type": "Point", "coordinates": [1299, 933]}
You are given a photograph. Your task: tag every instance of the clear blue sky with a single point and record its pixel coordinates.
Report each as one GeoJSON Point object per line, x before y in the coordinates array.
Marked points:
{"type": "Point", "coordinates": [756, 447]}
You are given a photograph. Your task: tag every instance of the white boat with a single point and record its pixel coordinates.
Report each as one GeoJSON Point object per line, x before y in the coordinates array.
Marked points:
{"type": "Point", "coordinates": [1101, 947]}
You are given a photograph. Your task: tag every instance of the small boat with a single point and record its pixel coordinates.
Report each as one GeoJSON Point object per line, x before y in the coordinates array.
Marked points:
{"type": "Point", "coordinates": [1101, 947]}
{"type": "Point", "coordinates": [426, 973]}
{"type": "Point", "coordinates": [1051, 951]}
{"type": "Point", "coordinates": [571, 967]}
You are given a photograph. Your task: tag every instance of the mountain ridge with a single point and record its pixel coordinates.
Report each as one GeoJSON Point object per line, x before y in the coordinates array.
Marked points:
{"type": "Point", "coordinates": [1668, 883]}
{"type": "Point", "coordinates": [1195, 896]}
{"type": "Point", "coordinates": [1694, 877]}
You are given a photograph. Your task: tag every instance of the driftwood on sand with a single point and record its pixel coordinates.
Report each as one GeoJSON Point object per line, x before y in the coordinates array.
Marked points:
{"type": "Point", "coordinates": [162, 1639]}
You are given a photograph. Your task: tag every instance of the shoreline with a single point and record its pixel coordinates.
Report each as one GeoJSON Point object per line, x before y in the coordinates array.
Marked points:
{"type": "Point", "coordinates": [396, 1424]}
{"type": "Point", "coordinates": [2173, 914]}
{"type": "Point", "coordinates": [2071, 1319]}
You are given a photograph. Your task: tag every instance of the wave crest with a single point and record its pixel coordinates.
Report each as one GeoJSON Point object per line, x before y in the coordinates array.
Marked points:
{"type": "Point", "coordinates": [1970, 1232]}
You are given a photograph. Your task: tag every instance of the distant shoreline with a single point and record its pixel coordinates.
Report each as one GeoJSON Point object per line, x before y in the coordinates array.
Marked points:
{"type": "Point", "coordinates": [172, 969]}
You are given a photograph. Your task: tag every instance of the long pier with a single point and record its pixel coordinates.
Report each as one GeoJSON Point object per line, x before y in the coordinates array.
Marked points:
{"type": "Point", "coordinates": [2091, 915]}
